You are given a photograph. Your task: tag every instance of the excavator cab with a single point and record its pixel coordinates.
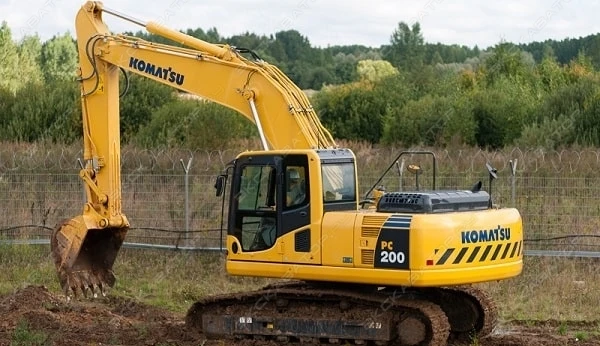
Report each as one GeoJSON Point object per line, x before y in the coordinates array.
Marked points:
{"type": "Point", "coordinates": [275, 194]}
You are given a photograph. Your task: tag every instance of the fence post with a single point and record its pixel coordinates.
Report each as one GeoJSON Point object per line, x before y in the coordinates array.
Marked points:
{"type": "Point", "coordinates": [83, 184]}
{"type": "Point", "coordinates": [513, 182]}
{"type": "Point", "coordinates": [186, 170]}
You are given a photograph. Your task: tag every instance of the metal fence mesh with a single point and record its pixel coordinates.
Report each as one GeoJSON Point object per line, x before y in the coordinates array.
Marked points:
{"type": "Point", "coordinates": [556, 193]}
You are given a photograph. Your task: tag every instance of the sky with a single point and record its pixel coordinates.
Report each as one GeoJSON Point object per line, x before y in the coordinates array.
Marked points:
{"type": "Point", "coordinates": [330, 22]}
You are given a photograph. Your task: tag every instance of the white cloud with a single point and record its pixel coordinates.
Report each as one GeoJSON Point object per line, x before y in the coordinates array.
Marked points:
{"type": "Point", "coordinates": [331, 22]}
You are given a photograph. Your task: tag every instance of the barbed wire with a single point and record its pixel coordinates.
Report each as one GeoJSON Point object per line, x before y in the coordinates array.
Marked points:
{"type": "Point", "coordinates": [56, 158]}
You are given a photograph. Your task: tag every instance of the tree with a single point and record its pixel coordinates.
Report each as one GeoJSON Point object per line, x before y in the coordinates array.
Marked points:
{"type": "Point", "coordinates": [502, 110]}
{"type": "Point", "coordinates": [430, 120]}
{"type": "Point", "coordinates": [49, 111]}
{"type": "Point", "coordinates": [143, 97]}
{"type": "Point", "coordinates": [551, 75]}
{"type": "Point", "coordinates": [407, 48]}
{"type": "Point", "coordinates": [59, 58]}
{"type": "Point", "coordinates": [436, 59]}
{"type": "Point", "coordinates": [194, 124]}
{"type": "Point", "coordinates": [375, 70]}
{"type": "Point", "coordinates": [9, 60]}
{"type": "Point", "coordinates": [506, 61]}
{"type": "Point", "coordinates": [30, 50]}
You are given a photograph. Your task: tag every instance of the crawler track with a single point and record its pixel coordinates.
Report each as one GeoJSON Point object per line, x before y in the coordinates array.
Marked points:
{"type": "Point", "coordinates": [470, 311]}
{"type": "Point", "coordinates": [320, 313]}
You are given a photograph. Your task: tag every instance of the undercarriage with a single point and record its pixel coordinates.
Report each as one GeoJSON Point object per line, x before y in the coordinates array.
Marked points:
{"type": "Point", "coordinates": [323, 313]}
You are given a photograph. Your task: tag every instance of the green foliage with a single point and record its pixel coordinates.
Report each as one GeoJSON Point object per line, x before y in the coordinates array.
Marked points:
{"type": "Point", "coordinates": [194, 125]}
{"type": "Point", "coordinates": [550, 133]}
{"type": "Point", "coordinates": [48, 111]}
{"type": "Point", "coordinates": [59, 58]}
{"type": "Point", "coordinates": [507, 61]}
{"type": "Point", "coordinates": [573, 100]}
{"type": "Point", "coordinates": [375, 70]}
{"type": "Point", "coordinates": [9, 60]}
{"type": "Point", "coordinates": [7, 99]}
{"type": "Point", "coordinates": [587, 122]}
{"type": "Point", "coordinates": [539, 94]}
{"type": "Point", "coordinates": [24, 336]}
{"type": "Point", "coordinates": [581, 335]}
{"type": "Point", "coordinates": [406, 50]}
{"type": "Point", "coordinates": [30, 50]}
{"type": "Point", "coordinates": [143, 97]}
{"type": "Point", "coordinates": [352, 112]}
{"type": "Point", "coordinates": [430, 120]}
{"type": "Point", "coordinates": [501, 111]}
{"type": "Point", "coordinates": [551, 74]}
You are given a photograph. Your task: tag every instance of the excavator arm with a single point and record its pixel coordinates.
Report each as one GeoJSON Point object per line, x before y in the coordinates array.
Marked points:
{"type": "Point", "coordinates": [85, 247]}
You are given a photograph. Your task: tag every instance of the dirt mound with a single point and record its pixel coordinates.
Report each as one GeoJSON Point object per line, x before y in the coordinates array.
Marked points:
{"type": "Point", "coordinates": [35, 316]}
{"type": "Point", "coordinates": [47, 319]}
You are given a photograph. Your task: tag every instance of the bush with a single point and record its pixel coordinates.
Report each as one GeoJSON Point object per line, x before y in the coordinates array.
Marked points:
{"type": "Point", "coordinates": [49, 111]}
{"type": "Point", "coordinates": [501, 111]}
{"type": "Point", "coordinates": [431, 120]}
{"type": "Point", "coordinates": [549, 133]}
{"type": "Point", "coordinates": [193, 124]}
{"type": "Point", "coordinates": [136, 106]}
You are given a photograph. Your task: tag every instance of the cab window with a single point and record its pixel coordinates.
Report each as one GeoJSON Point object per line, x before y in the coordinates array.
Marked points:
{"type": "Point", "coordinates": [338, 182]}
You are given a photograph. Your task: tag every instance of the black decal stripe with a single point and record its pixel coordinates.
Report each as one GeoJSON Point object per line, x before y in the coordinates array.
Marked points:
{"type": "Point", "coordinates": [396, 226]}
{"type": "Point", "coordinates": [519, 251]}
{"type": "Point", "coordinates": [397, 222]}
{"type": "Point", "coordinates": [496, 252]}
{"type": "Point", "coordinates": [486, 252]}
{"type": "Point", "coordinates": [506, 250]}
{"type": "Point", "coordinates": [460, 256]}
{"type": "Point", "coordinates": [445, 256]}
{"type": "Point", "coordinates": [473, 254]}
{"type": "Point", "coordinates": [514, 250]}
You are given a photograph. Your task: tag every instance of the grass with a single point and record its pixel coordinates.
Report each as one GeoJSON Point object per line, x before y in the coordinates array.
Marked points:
{"type": "Point", "coordinates": [24, 336]}
{"type": "Point", "coordinates": [562, 329]}
{"type": "Point", "coordinates": [563, 289]}
{"type": "Point", "coordinates": [549, 288]}
{"type": "Point", "coordinates": [581, 336]}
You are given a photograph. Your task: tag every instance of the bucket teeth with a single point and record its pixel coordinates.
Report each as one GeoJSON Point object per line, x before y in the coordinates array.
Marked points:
{"type": "Point", "coordinates": [84, 257]}
{"type": "Point", "coordinates": [85, 283]}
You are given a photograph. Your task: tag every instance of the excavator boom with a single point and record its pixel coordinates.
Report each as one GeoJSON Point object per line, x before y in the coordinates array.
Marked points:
{"type": "Point", "coordinates": [85, 247]}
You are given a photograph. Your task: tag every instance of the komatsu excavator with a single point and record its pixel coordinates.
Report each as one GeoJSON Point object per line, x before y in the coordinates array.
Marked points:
{"type": "Point", "coordinates": [399, 272]}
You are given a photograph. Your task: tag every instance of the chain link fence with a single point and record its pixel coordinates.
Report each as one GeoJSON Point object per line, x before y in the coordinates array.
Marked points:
{"type": "Point", "coordinates": [168, 196]}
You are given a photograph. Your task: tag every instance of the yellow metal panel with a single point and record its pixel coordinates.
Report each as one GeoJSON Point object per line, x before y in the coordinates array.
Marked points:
{"type": "Point", "coordinates": [338, 239]}
{"type": "Point", "coordinates": [442, 245]}
{"type": "Point", "coordinates": [461, 276]}
{"type": "Point", "coordinates": [429, 278]}
{"type": "Point", "coordinates": [320, 273]}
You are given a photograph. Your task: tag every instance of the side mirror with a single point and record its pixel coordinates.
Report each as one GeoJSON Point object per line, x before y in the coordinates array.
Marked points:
{"type": "Point", "coordinates": [220, 185]}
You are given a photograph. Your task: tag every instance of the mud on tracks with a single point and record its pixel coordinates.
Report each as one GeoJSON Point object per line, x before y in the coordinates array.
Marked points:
{"type": "Point", "coordinates": [122, 321]}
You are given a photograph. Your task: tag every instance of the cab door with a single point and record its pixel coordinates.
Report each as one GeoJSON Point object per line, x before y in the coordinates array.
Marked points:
{"type": "Point", "coordinates": [254, 219]}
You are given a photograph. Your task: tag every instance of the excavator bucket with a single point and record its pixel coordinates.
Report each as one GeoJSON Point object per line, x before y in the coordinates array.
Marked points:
{"type": "Point", "coordinates": [84, 257]}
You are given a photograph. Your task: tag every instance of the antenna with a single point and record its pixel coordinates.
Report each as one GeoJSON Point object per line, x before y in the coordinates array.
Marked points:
{"type": "Point", "coordinates": [493, 175]}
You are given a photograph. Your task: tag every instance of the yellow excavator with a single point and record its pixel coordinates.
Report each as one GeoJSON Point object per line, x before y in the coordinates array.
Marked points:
{"type": "Point", "coordinates": [395, 269]}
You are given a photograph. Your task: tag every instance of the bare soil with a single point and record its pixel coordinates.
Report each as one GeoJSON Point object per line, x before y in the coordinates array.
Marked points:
{"type": "Point", "coordinates": [35, 316]}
